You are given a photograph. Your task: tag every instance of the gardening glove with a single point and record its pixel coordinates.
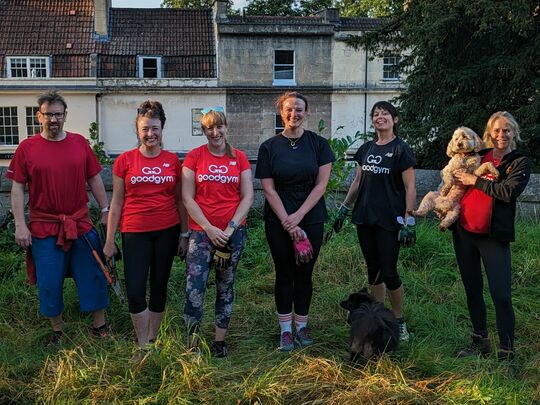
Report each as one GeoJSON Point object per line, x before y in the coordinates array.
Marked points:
{"type": "Point", "coordinates": [303, 251]}
{"type": "Point", "coordinates": [407, 232]}
{"type": "Point", "coordinates": [340, 218]}
{"type": "Point", "coordinates": [222, 256]}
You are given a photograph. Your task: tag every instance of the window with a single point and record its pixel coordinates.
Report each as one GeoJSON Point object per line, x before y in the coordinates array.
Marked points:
{"type": "Point", "coordinates": [196, 122]}
{"type": "Point", "coordinates": [279, 124]}
{"type": "Point", "coordinates": [32, 124]}
{"type": "Point", "coordinates": [28, 67]}
{"type": "Point", "coordinates": [150, 66]}
{"type": "Point", "coordinates": [284, 68]}
{"type": "Point", "coordinates": [9, 126]}
{"type": "Point", "coordinates": [390, 62]}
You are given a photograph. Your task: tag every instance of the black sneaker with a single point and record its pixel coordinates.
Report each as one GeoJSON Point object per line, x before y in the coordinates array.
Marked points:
{"type": "Point", "coordinates": [104, 331]}
{"type": "Point", "coordinates": [55, 339]}
{"type": "Point", "coordinates": [505, 354]}
{"type": "Point", "coordinates": [219, 349]}
{"type": "Point", "coordinates": [480, 346]}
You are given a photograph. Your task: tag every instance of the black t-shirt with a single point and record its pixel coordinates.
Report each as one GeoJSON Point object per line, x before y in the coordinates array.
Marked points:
{"type": "Point", "coordinates": [294, 171]}
{"type": "Point", "coordinates": [381, 194]}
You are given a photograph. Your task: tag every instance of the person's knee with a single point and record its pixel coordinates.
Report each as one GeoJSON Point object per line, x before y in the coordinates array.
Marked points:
{"type": "Point", "coordinates": [393, 282]}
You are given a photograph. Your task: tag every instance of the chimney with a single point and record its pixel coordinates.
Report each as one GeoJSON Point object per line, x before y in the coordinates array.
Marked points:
{"type": "Point", "coordinates": [102, 10]}
{"type": "Point", "coordinates": [330, 15]}
{"type": "Point", "coordinates": [220, 10]}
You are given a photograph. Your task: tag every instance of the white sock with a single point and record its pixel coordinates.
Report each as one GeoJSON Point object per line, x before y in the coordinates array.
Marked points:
{"type": "Point", "coordinates": [300, 321]}
{"type": "Point", "coordinates": [285, 322]}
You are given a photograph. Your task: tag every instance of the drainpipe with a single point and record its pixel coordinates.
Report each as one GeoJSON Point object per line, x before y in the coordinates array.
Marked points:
{"type": "Point", "coordinates": [365, 94]}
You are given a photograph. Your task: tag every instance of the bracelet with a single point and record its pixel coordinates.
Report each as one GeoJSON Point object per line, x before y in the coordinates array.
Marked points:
{"type": "Point", "coordinates": [104, 210]}
{"type": "Point", "coordinates": [184, 234]}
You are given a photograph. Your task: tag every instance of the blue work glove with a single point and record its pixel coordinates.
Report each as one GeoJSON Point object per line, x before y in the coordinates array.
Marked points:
{"type": "Point", "coordinates": [340, 218]}
{"type": "Point", "coordinates": [407, 231]}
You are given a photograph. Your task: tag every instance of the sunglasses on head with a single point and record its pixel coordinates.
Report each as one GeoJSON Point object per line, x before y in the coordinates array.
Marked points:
{"type": "Point", "coordinates": [206, 110]}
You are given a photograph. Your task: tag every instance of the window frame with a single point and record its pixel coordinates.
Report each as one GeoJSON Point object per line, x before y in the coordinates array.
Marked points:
{"type": "Point", "coordinates": [14, 127]}
{"type": "Point", "coordinates": [277, 121]}
{"type": "Point", "coordinates": [284, 82]}
{"type": "Point", "coordinates": [140, 63]}
{"type": "Point", "coordinates": [36, 126]}
{"type": "Point", "coordinates": [10, 59]}
{"type": "Point", "coordinates": [393, 76]}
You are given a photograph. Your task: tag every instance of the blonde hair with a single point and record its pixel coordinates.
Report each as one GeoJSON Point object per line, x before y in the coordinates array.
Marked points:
{"type": "Point", "coordinates": [215, 118]}
{"type": "Point", "coordinates": [514, 126]}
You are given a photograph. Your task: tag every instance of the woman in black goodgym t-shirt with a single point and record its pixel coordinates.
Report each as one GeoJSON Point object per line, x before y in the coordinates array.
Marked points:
{"type": "Point", "coordinates": [383, 189]}
{"type": "Point", "coordinates": [294, 167]}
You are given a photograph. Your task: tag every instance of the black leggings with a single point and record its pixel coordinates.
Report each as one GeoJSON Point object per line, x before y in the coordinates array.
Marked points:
{"type": "Point", "coordinates": [470, 248]}
{"type": "Point", "coordinates": [381, 251]}
{"type": "Point", "coordinates": [293, 283]}
{"type": "Point", "coordinates": [144, 251]}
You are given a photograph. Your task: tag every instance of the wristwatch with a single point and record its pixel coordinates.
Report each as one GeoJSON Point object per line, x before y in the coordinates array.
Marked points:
{"type": "Point", "coordinates": [233, 225]}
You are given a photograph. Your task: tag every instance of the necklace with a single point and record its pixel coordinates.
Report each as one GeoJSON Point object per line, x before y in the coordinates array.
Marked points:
{"type": "Point", "coordinates": [292, 141]}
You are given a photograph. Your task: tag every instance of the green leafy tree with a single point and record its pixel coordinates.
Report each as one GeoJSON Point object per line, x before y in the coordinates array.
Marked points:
{"type": "Point", "coordinates": [463, 60]}
{"type": "Point", "coordinates": [273, 7]}
{"type": "Point", "coordinates": [194, 4]}
{"type": "Point", "coordinates": [366, 8]}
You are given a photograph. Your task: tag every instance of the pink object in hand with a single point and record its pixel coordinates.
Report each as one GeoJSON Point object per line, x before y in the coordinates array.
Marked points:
{"type": "Point", "coordinates": [303, 251]}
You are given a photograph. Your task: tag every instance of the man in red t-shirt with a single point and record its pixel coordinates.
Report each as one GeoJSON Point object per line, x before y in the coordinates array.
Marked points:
{"type": "Point", "coordinates": [57, 165]}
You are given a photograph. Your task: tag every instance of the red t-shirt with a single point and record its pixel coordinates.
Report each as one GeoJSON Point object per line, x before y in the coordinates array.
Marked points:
{"type": "Point", "coordinates": [56, 173]}
{"type": "Point", "coordinates": [476, 205]}
{"type": "Point", "coordinates": [217, 182]}
{"type": "Point", "coordinates": [149, 183]}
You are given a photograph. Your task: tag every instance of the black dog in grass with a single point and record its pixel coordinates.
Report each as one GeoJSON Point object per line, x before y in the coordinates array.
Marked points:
{"type": "Point", "coordinates": [374, 328]}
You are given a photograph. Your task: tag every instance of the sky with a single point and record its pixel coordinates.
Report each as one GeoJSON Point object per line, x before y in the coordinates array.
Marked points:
{"type": "Point", "coordinates": [157, 3]}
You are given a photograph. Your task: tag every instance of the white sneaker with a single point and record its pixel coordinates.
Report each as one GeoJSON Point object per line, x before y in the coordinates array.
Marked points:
{"type": "Point", "coordinates": [403, 332]}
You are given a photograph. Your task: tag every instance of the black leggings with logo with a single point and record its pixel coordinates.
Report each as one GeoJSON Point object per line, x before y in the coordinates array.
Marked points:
{"type": "Point", "coordinates": [293, 283]}
{"type": "Point", "coordinates": [472, 249]}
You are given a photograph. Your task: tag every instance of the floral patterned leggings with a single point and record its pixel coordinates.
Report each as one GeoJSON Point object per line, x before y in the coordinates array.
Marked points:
{"type": "Point", "coordinates": [198, 263]}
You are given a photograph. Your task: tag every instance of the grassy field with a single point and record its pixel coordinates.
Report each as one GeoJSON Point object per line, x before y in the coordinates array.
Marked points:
{"type": "Point", "coordinates": [86, 370]}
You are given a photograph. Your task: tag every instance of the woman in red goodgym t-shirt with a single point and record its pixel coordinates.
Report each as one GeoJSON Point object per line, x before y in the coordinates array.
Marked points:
{"type": "Point", "coordinates": [147, 204]}
{"type": "Point", "coordinates": [218, 192]}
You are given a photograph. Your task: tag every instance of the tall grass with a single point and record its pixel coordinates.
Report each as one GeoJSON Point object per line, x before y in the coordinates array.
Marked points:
{"type": "Point", "coordinates": [425, 370]}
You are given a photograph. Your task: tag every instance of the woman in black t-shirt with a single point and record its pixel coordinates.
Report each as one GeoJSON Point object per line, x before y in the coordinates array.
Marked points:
{"type": "Point", "coordinates": [382, 190]}
{"type": "Point", "coordinates": [294, 168]}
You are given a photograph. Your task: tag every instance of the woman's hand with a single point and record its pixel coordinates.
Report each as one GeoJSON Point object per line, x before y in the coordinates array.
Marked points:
{"type": "Point", "coordinates": [109, 249]}
{"type": "Point", "coordinates": [291, 221]}
{"type": "Point", "coordinates": [297, 233]}
{"type": "Point", "coordinates": [467, 179]}
{"type": "Point", "coordinates": [182, 247]}
{"type": "Point", "coordinates": [23, 237]}
{"type": "Point", "coordinates": [218, 237]}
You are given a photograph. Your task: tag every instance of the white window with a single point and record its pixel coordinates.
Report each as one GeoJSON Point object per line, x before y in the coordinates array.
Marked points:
{"type": "Point", "coordinates": [29, 67]}
{"type": "Point", "coordinates": [284, 68]}
{"type": "Point", "coordinates": [150, 66]}
{"type": "Point", "coordinates": [390, 62]}
{"type": "Point", "coordinates": [279, 127]}
{"type": "Point", "coordinates": [9, 126]}
{"type": "Point", "coordinates": [196, 129]}
{"type": "Point", "coordinates": [32, 124]}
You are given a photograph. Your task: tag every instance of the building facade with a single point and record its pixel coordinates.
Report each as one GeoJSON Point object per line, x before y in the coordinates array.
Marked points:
{"type": "Point", "coordinates": [106, 61]}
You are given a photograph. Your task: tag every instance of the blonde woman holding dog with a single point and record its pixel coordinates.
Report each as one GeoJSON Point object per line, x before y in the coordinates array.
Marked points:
{"type": "Point", "coordinates": [382, 191]}
{"type": "Point", "coordinates": [485, 230]}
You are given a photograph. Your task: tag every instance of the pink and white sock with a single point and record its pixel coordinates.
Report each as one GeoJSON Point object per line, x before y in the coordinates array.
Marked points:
{"type": "Point", "coordinates": [300, 321]}
{"type": "Point", "coordinates": [285, 322]}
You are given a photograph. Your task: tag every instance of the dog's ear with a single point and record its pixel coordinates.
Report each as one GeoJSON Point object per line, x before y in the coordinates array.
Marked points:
{"type": "Point", "coordinates": [478, 143]}
{"type": "Point", "coordinates": [346, 304]}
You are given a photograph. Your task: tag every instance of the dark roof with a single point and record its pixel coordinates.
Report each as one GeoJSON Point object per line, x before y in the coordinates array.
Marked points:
{"type": "Point", "coordinates": [184, 38]}
{"type": "Point", "coordinates": [359, 23]}
{"type": "Point", "coordinates": [32, 27]}
{"type": "Point", "coordinates": [160, 31]}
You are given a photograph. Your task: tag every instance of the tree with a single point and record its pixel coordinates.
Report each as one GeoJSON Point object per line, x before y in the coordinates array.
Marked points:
{"type": "Point", "coordinates": [463, 60]}
{"type": "Point", "coordinates": [366, 8]}
{"type": "Point", "coordinates": [187, 3]}
{"type": "Point", "coordinates": [273, 7]}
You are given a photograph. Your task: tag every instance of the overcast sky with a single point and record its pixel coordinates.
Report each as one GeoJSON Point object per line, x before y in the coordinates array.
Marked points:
{"type": "Point", "coordinates": [157, 3]}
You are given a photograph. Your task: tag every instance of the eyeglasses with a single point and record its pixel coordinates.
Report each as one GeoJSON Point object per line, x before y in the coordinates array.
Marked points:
{"type": "Point", "coordinates": [206, 110]}
{"type": "Point", "coordinates": [49, 116]}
